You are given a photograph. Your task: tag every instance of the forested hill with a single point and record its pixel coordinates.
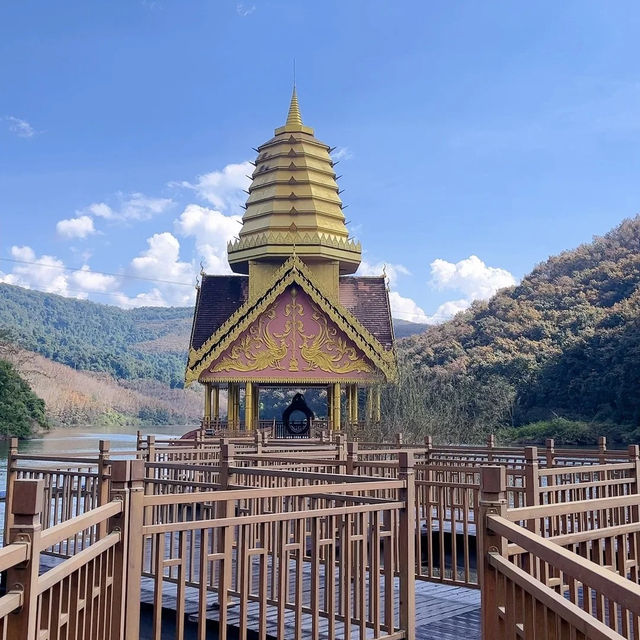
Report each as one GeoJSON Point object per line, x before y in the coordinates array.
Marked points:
{"type": "Point", "coordinates": [148, 342]}
{"type": "Point", "coordinates": [566, 340]}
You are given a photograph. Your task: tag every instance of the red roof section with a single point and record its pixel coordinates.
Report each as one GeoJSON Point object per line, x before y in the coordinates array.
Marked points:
{"type": "Point", "coordinates": [219, 298]}
{"type": "Point", "coordinates": [368, 300]}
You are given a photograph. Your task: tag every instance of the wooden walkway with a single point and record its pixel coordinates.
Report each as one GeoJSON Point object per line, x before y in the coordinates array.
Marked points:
{"type": "Point", "coordinates": [443, 612]}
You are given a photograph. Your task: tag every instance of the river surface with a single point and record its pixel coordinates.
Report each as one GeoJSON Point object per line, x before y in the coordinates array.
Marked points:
{"type": "Point", "coordinates": [80, 440]}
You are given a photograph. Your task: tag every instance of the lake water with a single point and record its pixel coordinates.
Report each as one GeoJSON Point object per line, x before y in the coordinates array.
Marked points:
{"type": "Point", "coordinates": [80, 440]}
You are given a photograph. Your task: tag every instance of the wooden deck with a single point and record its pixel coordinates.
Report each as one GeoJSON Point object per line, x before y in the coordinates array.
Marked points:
{"type": "Point", "coordinates": [443, 612]}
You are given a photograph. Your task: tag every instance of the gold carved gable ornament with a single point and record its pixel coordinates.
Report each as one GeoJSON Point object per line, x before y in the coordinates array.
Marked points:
{"type": "Point", "coordinates": [306, 340]}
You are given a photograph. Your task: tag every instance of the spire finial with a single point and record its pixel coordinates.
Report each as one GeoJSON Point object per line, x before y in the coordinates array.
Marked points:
{"type": "Point", "coordinates": [294, 118]}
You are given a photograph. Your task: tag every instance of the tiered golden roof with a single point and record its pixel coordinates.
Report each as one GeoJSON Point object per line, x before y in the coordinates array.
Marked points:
{"type": "Point", "coordinates": [293, 205]}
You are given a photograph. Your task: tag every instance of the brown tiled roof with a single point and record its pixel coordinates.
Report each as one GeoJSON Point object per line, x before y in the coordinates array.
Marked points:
{"type": "Point", "coordinates": [367, 299]}
{"type": "Point", "coordinates": [220, 296]}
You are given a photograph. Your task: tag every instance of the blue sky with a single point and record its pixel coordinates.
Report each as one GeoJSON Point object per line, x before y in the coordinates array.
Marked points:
{"type": "Point", "coordinates": [476, 138]}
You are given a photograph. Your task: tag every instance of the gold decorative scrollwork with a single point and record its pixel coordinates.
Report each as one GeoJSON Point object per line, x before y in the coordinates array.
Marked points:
{"type": "Point", "coordinates": [324, 349]}
{"type": "Point", "coordinates": [256, 350]}
{"type": "Point", "coordinates": [330, 352]}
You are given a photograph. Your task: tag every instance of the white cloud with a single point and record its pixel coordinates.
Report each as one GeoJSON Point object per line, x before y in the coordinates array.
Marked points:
{"type": "Point", "coordinates": [80, 227]}
{"type": "Point", "coordinates": [161, 261]}
{"type": "Point", "coordinates": [48, 273]}
{"type": "Point", "coordinates": [101, 210]}
{"type": "Point", "coordinates": [44, 273]}
{"type": "Point", "coordinates": [341, 153]}
{"type": "Point", "coordinates": [211, 231]}
{"type": "Point", "coordinates": [223, 189]}
{"type": "Point", "coordinates": [406, 308]}
{"type": "Point", "coordinates": [88, 280]}
{"type": "Point", "coordinates": [393, 271]}
{"type": "Point", "coordinates": [134, 206]}
{"type": "Point", "coordinates": [244, 10]}
{"type": "Point", "coordinates": [470, 276]}
{"type": "Point", "coordinates": [20, 127]}
{"type": "Point", "coordinates": [447, 310]}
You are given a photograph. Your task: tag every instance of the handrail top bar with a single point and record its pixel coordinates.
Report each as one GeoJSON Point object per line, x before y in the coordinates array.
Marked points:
{"type": "Point", "coordinates": [233, 521]}
{"type": "Point", "coordinates": [68, 528]}
{"type": "Point", "coordinates": [66, 457]}
{"type": "Point", "coordinates": [587, 468]}
{"type": "Point", "coordinates": [269, 492]}
{"type": "Point", "coordinates": [577, 506]}
{"type": "Point", "coordinates": [306, 475]}
{"type": "Point", "coordinates": [13, 554]}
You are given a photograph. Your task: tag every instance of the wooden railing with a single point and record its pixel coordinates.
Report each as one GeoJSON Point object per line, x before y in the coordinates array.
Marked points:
{"type": "Point", "coordinates": [304, 556]}
{"type": "Point", "coordinates": [325, 555]}
{"type": "Point", "coordinates": [446, 496]}
{"type": "Point", "coordinates": [559, 570]}
{"type": "Point", "coordinates": [83, 596]}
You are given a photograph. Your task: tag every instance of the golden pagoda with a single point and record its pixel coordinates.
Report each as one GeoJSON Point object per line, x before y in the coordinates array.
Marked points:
{"type": "Point", "coordinates": [295, 317]}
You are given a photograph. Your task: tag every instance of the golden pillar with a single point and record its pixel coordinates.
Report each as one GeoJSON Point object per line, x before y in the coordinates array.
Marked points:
{"type": "Point", "coordinates": [336, 406]}
{"type": "Point", "coordinates": [207, 401]}
{"type": "Point", "coordinates": [329, 405]}
{"type": "Point", "coordinates": [233, 405]}
{"type": "Point", "coordinates": [369, 404]}
{"type": "Point", "coordinates": [215, 404]}
{"type": "Point", "coordinates": [236, 405]}
{"type": "Point", "coordinates": [248, 406]}
{"type": "Point", "coordinates": [256, 406]}
{"type": "Point", "coordinates": [377, 412]}
{"type": "Point", "coordinates": [354, 418]}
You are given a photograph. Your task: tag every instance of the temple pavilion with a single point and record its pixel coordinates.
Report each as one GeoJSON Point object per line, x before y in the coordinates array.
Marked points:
{"type": "Point", "coordinates": [294, 315]}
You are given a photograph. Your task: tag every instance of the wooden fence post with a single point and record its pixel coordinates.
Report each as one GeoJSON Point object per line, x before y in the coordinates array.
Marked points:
{"type": "Point", "coordinates": [127, 485]}
{"type": "Point", "coordinates": [531, 484]}
{"type": "Point", "coordinates": [139, 441]}
{"type": "Point", "coordinates": [602, 449]}
{"type": "Point", "coordinates": [407, 545]}
{"type": "Point", "coordinates": [12, 475]}
{"type": "Point", "coordinates": [103, 482]}
{"type": "Point", "coordinates": [227, 453]}
{"type": "Point", "coordinates": [352, 457]}
{"type": "Point", "coordinates": [550, 453]}
{"type": "Point", "coordinates": [493, 500]}
{"type": "Point", "coordinates": [151, 449]}
{"type": "Point", "coordinates": [341, 445]}
{"type": "Point", "coordinates": [634, 458]}
{"type": "Point", "coordinates": [491, 443]}
{"type": "Point", "coordinates": [259, 440]}
{"type": "Point", "coordinates": [26, 529]}
{"type": "Point", "coordinates": [428, 445]}
{"type": "Point", "coordinates": [225, 508]}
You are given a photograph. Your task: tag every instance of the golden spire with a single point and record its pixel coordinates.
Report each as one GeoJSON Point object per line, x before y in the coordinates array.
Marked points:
{"type": "Point", "coordinates": [294, 118]}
